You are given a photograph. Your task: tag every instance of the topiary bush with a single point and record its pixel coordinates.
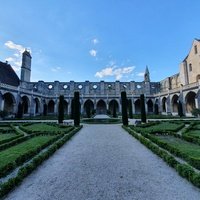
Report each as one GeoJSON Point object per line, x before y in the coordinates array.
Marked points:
{"type": "Point", "coordinates": [61, 109]}
{"type": "Point", "coordinates": [143, 110]}
{"type": "Point", "coordinates": [124, 108]}
{"type": "Point", "coordinates": [76, 109]}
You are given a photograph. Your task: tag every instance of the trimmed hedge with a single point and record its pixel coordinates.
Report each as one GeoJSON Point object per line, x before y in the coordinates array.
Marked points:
{"type": "Point", "coordinates": [11, 139]}
{"type": "Point", "coordinates": [184, 170]}
{"type": "Point", "coordinates": [25, 157]}
{"type": "Point", "coordinates": [195, 162]}
{"type": "Point", "coordinates": [6, 187]}
{"type": "Point", "coordinates": [28, 131]}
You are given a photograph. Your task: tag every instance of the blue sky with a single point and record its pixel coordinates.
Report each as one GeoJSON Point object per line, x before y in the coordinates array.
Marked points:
{"type": "Point", "coordinates": [98, 39]}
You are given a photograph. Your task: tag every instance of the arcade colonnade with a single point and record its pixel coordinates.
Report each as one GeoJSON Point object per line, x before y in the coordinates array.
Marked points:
{"type": "Point", "coordinates": [35, 105]}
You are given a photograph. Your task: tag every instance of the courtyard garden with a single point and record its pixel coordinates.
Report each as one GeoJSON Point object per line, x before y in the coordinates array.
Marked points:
{"type": "Point", "coordinates": [23, 147]}
{"type": "Point", "coordinates": [176, 142]}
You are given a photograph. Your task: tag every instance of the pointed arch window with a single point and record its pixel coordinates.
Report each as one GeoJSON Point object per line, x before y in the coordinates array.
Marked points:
{"type": "Point", "coordinates": [190, 67]}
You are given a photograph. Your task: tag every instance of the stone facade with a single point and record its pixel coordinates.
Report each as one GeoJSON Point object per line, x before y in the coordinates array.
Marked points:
{"type": "Point", "coordinates": [101, 96]}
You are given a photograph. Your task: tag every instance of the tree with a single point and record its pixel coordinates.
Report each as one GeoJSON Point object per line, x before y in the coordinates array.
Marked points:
{"type": "Point", "coordinates": [45, 110]}
{"type": "Point", "coordinates": [143, 110]}
{"type": "Point", "coordinates": [20, 111]}
{"type": "Point", "coordinates": [156, 112]}
{"type": "Point", "coordinates": [72, 109]}
{"type": "Point", "coordinates": [114, 109]}
{"type": "Point", "coordinates": [130, 109]}
{"type": "Point", "coordinates": [61, 109]}
{"type": "Point", "coordinates": [180, 109]}
{"type": "Point", "coordinates": [76, 109]}
{"type": "Point", "coordinates": [124, 108]}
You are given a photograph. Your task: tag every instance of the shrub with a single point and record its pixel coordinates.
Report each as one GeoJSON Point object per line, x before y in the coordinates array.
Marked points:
{"type": "Point", "coordinates": [61, 109]}
{"type": "Point", "coordinates": [76, 109]}
{"type": "Point", "coordinates": [130, 108]}
{"type": "Point", "coordinates": [196, 112]}
{"type": "Point", "coordinates": [124, 108]}
{"type": "Point", "coordinates": [143, 111]}
{"type": "Point", "coordinates": [180, 109]}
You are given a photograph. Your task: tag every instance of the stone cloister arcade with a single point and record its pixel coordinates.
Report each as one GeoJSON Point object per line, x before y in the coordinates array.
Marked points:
{"type": "Point", "coordinates": [32, 105]}
{"type": "Point", "coordinates": [169, 103]}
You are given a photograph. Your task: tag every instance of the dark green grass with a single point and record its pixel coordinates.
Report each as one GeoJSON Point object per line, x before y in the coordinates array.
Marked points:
{"type": "Point", "coordinates": [45, 128]}
{"type": "Point", "coordinates": [12, 153]}
{"type": "Point", "coordinates": [161, 127]}
{"type": "Point", "coordinates": [7, 136]}
{"type": "Point", "coordinates": [197, 127]}
{"type": "Point", "coordinates": [190, 149]}
{"type": "Point", "coordinates": [194, 133]}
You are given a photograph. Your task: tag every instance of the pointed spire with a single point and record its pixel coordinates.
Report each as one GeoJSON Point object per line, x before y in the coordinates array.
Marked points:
{"type": "Point", "coordinates": [146, 75]}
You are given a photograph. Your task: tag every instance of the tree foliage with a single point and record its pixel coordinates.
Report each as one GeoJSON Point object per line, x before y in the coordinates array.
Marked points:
{"type": "Point", "coordinates": [61, 109]}
{"type": "Point", "coordinates": [143, 110]}
{"type": "Point", "coordinates": [76, 109]}
{"type": "Point", "coordinates": [180, 109]}
{"type": "Point", "coordinates": [130, 108]}
{"type": "Point", "coordinates": [124, 108]}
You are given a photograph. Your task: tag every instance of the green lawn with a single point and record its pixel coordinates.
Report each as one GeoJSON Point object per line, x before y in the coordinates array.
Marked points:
{"type": "Point", "coordinates": [45, 127]}
{"type": "Point", "coordinates": [197, 126]}
{"type": "Point", "coordinates": [194, 133]}
{"type": "Point", "coordinates": [7, 136]}
{"type": "Point", "coordinates": [160, 127]}
{"type": "Point", "coordinates": [188, 148]}
{"type": "Point", "coordinates": [12, 153]}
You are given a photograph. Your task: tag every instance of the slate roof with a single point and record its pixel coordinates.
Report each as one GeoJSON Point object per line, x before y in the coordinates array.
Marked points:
{"type": "Point", "coordinates": [8, 75]}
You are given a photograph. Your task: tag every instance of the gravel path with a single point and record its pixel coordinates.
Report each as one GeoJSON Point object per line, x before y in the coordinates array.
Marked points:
{"type": "Point", "coordinates": [103, 162]}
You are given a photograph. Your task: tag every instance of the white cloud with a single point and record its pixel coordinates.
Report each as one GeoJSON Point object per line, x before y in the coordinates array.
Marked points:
{"type": "Point", "coordinates": [15, 60]}
{"type": "Point", "coordinates": [10, 59]}
{"type": "Point", "coordinates": [55, 69]}
{"type": "Point", "coordinates": [12, 45]}
{"type": "Point", "coordinates": [115, 71]}
{"type": "Point", "coordinates": [95, 41]}
{"type": "Point", "coordinates": [93, 52]}
{"type": "Point", "coordinates": [16, 55]}
{"type": "Point", "coordinates": [140, 74]}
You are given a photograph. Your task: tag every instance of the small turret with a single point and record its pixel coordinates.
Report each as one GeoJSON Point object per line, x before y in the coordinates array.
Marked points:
{"type": "Point", "coordinates": [146, 75]}
{"type": "Point", "coordinates": [26, 66]}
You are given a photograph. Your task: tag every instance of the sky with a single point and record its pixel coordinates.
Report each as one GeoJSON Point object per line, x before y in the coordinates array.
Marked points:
{"type": "Point", "coordinates": [98, 39]}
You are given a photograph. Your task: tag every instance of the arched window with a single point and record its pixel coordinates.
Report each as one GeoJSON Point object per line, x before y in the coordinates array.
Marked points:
{"type": "Point", "coordinates": [190, 67]}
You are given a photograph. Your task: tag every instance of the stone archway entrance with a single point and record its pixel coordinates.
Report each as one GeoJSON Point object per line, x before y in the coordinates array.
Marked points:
{"type": "Point", "coordinates": [101, 107]}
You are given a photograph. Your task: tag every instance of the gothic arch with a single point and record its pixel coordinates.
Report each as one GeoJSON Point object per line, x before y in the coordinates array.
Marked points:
{"type": "Point", "coordinates": [9, 102]}
{"type": "Point", "coordinates": [150, 106]}
{"type": "Point", "coordinates": [37, 105]}
{"type": "Point", "coordinates": [25, 105]}
{"type": "Point", "coordinates": [164, 104]}
{"type": "Point", "coordinates": [88, 107]}
{"type": "Point", "coordinates": [111, 106]}
{"type": "Point", "coordinates": [137, 106]}
{"type": "Point", "coordinates": [101, 107]}
{"type": "Point", "coordinates": [50, 107]}
{"type": "Point", "coordinates": [190, 101]}
{"type": "Point", "coordinates": [198, 77]}
{"type": "Point", "coordinates": [174, 103]}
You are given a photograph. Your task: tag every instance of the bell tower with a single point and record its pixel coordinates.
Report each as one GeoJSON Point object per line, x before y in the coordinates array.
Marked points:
{"type": "Point", "coordinates": [26, 66]}
{"type": "Point", "coordinates": [146, 75]}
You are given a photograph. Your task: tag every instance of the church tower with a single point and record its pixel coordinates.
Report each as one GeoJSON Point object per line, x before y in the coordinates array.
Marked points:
{"type": "Point", "coordinates": [147, 81]}
{"type": "Point", "coordinates": [26, 66]}
{"type": "Point", "coordinates": [146, 75]}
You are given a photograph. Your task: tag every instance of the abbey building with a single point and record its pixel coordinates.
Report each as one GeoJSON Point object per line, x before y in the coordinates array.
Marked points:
{"type": "Point", "coordinates": [37, 98]}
